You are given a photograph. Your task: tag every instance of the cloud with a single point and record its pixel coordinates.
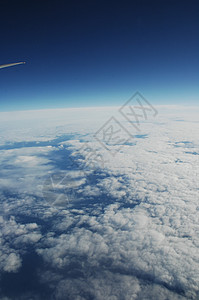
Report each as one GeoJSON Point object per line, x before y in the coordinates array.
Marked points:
{"type": "Point", "coordinates": [14, 238]}
{"type": "Point", "coordinates": [131, 232]}
{"type": "Point", "coordinates": [12, 263]}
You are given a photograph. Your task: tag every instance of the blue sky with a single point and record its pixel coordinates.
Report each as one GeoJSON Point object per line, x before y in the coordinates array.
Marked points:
{"type": "Point", "coordinates": [98, 53]}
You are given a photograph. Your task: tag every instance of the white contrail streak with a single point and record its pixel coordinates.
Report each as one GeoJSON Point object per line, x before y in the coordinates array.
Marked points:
{"type": "Point", "coordinates": [10, 65]}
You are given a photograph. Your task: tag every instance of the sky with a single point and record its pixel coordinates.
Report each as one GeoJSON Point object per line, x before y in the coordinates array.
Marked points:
{"type": "Point", "coordinates": [97, 53]}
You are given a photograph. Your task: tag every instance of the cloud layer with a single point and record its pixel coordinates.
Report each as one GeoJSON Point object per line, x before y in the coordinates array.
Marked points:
{"type": "Point", "coordinates": [127, 229]}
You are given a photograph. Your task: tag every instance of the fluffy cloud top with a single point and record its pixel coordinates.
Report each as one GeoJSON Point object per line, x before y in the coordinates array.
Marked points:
{"type": "Point", "coordinates": [124, 230]}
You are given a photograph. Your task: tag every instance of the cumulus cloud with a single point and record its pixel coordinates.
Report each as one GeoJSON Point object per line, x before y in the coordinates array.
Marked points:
{"type": "Point", "coordinates": [14, 238]}
{"type": "Point", "coordinates": [131, 229]}
{"type": "Point", "coordinates": [12, 263]}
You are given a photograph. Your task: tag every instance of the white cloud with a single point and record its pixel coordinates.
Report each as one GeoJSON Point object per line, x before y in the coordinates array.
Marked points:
{"type": "Point", "coordinates": [12, 263]}
{"type": "Point", "coordinates": [13, 240]}
{"type": "Point", "coordinates": [143, 246]}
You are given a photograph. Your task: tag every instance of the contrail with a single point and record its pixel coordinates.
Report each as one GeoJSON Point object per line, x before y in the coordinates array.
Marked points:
{"type": "Point", "coordinates": [10, 65]}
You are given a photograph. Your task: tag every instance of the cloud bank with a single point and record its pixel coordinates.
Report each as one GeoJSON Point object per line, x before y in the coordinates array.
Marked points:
{"type": "Point", "coordinates": [124, 230]}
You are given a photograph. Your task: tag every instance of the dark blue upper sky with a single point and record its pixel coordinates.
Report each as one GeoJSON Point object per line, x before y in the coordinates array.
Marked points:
{"type": "Point", "coordinates": [93, 53]}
